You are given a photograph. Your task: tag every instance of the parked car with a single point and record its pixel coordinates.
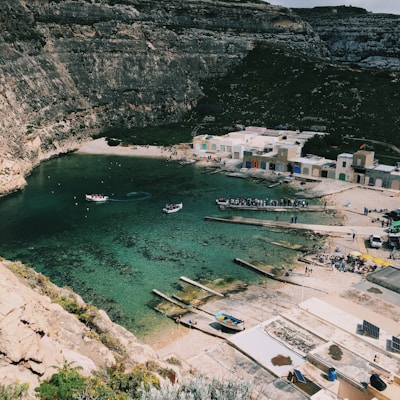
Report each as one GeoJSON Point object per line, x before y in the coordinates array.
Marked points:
{"type": "Point", "coordinates": [375, 241]}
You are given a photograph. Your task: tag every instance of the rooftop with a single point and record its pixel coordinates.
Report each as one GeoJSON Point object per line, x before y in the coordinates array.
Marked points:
{"type": "Point", "coordinates": [384, 168]}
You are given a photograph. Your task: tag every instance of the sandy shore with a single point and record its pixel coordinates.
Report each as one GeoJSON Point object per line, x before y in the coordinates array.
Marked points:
{"type": "Point", "coordinates": [351, 199]}
{"type": "Point", "coordinates": [100, 146]}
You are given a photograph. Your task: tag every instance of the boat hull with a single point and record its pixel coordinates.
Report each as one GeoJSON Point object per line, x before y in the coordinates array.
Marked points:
{"type": "Point", "coordinates": [173, 208]}
{"type": "Point", "coordinates": [222, 202]}
{"type": "Point", "coordinates": [96, 198]}
{"type": "Point", "coordinates": [230, 322]}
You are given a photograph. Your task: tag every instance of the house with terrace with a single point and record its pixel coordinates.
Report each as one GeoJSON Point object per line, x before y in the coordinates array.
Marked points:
{"type": "Point", "coordinates": [258, 142]}
{"type": "Point", "coordinates": [362, 167]}
{"type": "Point", "coordinates": [280, 150]}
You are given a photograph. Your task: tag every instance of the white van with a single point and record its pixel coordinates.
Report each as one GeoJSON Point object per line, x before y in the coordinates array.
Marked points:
{"type": "Point", "coordinates": [375, 241]}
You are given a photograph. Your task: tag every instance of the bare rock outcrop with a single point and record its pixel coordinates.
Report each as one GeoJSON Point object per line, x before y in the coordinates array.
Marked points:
{"type": "Point", "coordinates": [37, 334]}
{"type": "Point", "coordinates": [353, 35]}
{"type": "Point", "coordinates": [69, 69]}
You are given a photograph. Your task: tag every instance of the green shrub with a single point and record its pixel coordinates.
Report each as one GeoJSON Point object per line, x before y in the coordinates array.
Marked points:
{"type": "Point", "coordinates": [66, 384]}
{"type": "Point", "coordinates": [130, 383]}
{"type": "Point", "coordinates": [174, 361]}
{"type": "Point", "coordinates": [14, 391]}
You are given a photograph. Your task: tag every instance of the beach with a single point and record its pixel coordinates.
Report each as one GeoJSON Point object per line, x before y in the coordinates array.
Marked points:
{"type": "Point", "coordinates": [260, 303]}
{"type": "Point", "coordinates": [100, 146]}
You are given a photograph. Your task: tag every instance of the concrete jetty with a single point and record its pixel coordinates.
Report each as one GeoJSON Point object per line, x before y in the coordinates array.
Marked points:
{"type": "Point", "coordinates": [165, 297]}
{"type": "Point", "coordinates": [245, 207]}
{"type": "Point", "coordinates": [323, 229]}
{"type": "Point", "coordinates": [194, 283]}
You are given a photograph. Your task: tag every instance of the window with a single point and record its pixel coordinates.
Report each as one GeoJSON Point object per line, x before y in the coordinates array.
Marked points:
{"type": "Point", "coordinates": [344, 164]}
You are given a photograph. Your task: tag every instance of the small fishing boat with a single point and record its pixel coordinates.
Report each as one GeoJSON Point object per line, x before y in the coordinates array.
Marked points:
{"type": "Point", "coordinates": [171, 208]}
{"type": "Point", "coordinates": [230, 322]}
{"type": "Point", "coordinates": [222, 201]}
{"type": "Point", "coordinates": [99, 198]}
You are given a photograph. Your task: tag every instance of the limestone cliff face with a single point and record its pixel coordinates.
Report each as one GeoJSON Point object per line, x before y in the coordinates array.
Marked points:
{"type": "Point", "coordinates": [354, 35]}
{"type": "Point", "coordinates": [37, 335]}
{"type": "Point", "coordinates": [70, 68]}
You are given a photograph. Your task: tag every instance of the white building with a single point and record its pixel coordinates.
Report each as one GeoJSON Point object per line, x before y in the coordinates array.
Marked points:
{"type": "Point", "coordinates": [253, 139]}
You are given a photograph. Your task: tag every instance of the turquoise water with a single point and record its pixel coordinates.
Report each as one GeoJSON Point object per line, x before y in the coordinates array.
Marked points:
{"type": "Point", "coordinates": [114, 254]}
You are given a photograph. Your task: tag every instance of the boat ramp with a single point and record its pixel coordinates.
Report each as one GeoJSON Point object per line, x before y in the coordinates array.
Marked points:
{"type": "Point", "coordinates": [196, 318]}
{"type": "Point", "coordinates": [199, 285]}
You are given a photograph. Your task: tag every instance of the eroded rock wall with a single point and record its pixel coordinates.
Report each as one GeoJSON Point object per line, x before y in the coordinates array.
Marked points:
{"type": "Point", "coordinates": [36, 335]}
{"type": "Point", "coordinates": [70, 68]}
{"type": "Point", "coordinates": [354, 35]}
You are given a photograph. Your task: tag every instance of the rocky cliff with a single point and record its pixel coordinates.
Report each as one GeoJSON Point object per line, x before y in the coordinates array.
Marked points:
{"type": "Point", "coordinates": [356, 36]}
{"type": "Point", "coordinates": [70, 68]}
{"type": "Point", "coordinates": [38, 334]}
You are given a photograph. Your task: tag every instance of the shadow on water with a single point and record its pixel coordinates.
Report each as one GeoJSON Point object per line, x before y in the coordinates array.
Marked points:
{"type": "Point", "coordinates": [133, 196]}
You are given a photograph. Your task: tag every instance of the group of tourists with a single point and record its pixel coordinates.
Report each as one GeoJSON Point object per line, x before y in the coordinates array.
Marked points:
{"type": "Point", "coordinates": [346, 263]}
{"type": "Point", "coordinates": [246, 201]}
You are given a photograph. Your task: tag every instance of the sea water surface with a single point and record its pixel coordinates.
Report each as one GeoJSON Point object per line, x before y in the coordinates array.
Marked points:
{"type": "Point", "coordinates": [114, 254]}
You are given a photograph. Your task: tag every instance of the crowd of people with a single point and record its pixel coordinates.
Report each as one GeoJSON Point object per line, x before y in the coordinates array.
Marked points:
{"type": "Point", "coordinates": [346, 263]}
{"type": "Point", "coordinates": [247, 201]}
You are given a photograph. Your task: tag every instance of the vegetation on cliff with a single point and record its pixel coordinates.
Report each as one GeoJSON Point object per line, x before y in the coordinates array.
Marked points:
{"type": "Point", "coordinates": [277, 87]}
{"type": "Point", "coordinates": [123, 379]}
{"type": "Point", "coordinates": [140, 383]}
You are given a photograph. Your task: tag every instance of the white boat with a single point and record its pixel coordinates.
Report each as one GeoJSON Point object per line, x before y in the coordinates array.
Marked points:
{"type": "Point", "coordinates": [230, 322]}
{"type": "Point", "coordinates": [171, 208]}
{"type": "Point", "coordinates": [222, 201]}
{"type": "Point", "coordinates": [99, 198]}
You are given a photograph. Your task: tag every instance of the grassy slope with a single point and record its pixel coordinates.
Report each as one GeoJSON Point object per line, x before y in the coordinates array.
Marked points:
{"type": "Point", "coordinates": [273, 86]}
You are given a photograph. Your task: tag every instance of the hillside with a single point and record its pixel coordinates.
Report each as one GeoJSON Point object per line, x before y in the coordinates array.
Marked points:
{"type": "Point", "coordinates": [158, 72]}
{"type": "Point", "coordinates": [43, 326]}
{"type": "Point", "coordinates": [274, 86]}
{"type": "Point", "coordinates": [71, 70]}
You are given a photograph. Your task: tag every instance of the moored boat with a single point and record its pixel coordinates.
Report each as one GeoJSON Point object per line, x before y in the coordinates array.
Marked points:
{"type": "Point", "coordinates": [99, 198]}
{"type": "Point", "coordinates": [230, 322]}
{"type": "Point", "coordinates": [222, 201]}
{"type": "Point", "coordinates": [171, 208]}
